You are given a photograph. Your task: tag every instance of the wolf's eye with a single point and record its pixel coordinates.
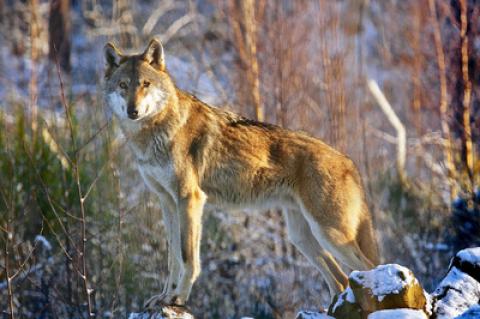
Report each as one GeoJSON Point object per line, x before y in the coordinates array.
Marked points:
{"type": "Point", "coordinates": [146, 84]}
{"type": "Point", "coordinates": [122, 85]}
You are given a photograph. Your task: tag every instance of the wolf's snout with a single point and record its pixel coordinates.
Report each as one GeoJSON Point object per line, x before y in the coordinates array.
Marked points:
{"type": "Point", "coordinates": [132, 113]}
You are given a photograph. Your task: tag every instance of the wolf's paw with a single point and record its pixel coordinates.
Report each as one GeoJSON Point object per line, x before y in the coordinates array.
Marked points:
{"type": "Point", "coordinates": [165, 306]}
{"type": "Point", "coordinates": [156, 302]}
{"type": "Point", "coordinates": [161, 301]}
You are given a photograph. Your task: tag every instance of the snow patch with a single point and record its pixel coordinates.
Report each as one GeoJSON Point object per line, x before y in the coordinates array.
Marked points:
{"type": "Point", "coordinates": [43, 241]}
{"type": "Point", "coordinates": [429, 305]}
{"type": "Point", "coordinates": [398, 314]}
{"type": "Point", "coordinates": [166, 314]}
{"type": "Point", "coordinates": [347, 295]}
{"type": "Point", "coordinates": [350, 297]}
{"type": "Point", "coordinates": [470, 255]}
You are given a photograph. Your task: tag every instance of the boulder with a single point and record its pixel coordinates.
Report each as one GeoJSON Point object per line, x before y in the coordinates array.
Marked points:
{"type": "Point", "coordinates": [167, 312]}
{"type": "Point", "coordinates": [468, 261]}
{"type": "Point", "coordinates": [471, 313]}
{"type": "Point", "coordinates": [145, 315]}
{"type": "Point", "coordinates": [456, 293]}
{"type": "Point", "coordinates": [388, 286]}
{"type": "Point", "coordinates": [312, 315]}
{"type": "Point", "coordinates": [345, 306]}
{"type": "Point", "coordinates": [398, 314]}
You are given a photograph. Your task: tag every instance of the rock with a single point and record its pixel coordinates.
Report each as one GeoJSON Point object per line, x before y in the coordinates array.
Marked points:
{"type": "Point", "coordinates": [388, 286]}
{"type": "Point", "coordinates": [345, 306]}
{"type": "Point", "coordinates": [456, 293]}
{"type": "Point", "coordinates": [145, 315]}
{"type": "Point", "coordinates": [312, 315]}
{"type": "Point", "coordinates": [468, 261]}
{"type": "Point", "coordinates": [398, 314]}
{"type": "Point", "coordinates": [472, 313]}
{"type": "Point", "coordinates": [167, 312]}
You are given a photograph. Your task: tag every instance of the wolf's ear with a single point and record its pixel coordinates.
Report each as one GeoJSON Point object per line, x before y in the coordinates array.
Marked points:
{"type": "Point", "coordinates": [154, 54]}
{"type": "Point", "coordinates": [112, 58]}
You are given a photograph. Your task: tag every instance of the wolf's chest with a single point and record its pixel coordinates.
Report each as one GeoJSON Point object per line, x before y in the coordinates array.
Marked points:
{"type": "Point", "coordinates": [155, 165]}
{"type": "Point", "coordinates": [158, 178]}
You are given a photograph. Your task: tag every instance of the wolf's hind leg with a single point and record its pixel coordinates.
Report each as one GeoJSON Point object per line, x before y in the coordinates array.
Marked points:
{"type": "Point", "coordinates": [302, 238]}
{"type": "Point", "coordinates": [343, 248]}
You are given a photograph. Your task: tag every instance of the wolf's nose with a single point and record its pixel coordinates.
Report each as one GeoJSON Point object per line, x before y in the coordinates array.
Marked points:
{"type": "Point", "coordinates": [133, 114]}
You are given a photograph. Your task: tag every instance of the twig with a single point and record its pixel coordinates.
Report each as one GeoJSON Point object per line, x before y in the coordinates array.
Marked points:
{"type": "Point", "coordinates": [7, 272]}
{"type": "Point", "coordinates": [56, 148]}
{"type": "Point", "coordinates": [83, 274]}
{"type": "Point", "coordinates": [89, 189]}
{"type": "Point", "coordinates": [22, 275]}
{"type": "Point", "coordinates": [93, 137]}
{"type": "Point", "coordinates": [47, 194]}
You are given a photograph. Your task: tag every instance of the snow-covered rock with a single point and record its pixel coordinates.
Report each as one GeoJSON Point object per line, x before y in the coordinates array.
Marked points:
{"type": "Point", "coordinates": [398, 314]}
{"type": "Point", "coordinates": [312, 315]}
{"type": "Point", "coordinates": [145, 315]}
{"type": "Point", "coordinates": [388, 286]}
{"type": "Point", "coordinates": [345, 306]}
{"type": "Point", "coordinates": [468, 261]}
{"type": "Point", "coordinates": [472, 313]}
{"type": "Point", "coordinates": [167, 312]}
{"type": "Point", "coordinates": [455, 294]}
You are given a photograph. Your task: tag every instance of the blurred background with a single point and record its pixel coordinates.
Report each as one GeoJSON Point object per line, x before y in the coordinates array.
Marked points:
{"type": "Point", "coordinates": [393, 84]}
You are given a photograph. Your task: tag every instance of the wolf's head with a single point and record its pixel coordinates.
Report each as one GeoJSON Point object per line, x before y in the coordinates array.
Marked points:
{"type": "Point", "coordinates": [136, 86]}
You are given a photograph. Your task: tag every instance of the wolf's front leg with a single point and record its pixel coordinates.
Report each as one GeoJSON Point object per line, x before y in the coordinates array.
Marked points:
{"type": "Point", "coordinates": [172, 229]}
{"type": "Point", "coordinates": [174, 257]}
{"type": "Point", "coordinates": [190, 210]}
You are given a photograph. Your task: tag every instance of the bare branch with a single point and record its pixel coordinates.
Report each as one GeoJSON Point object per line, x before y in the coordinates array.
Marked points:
{"type": "Point", "coordinates": [163, 8]}
{"type": "Point", "coordinates": [176, 26]}
{"type": "Point", "coordinates": [396, 123]}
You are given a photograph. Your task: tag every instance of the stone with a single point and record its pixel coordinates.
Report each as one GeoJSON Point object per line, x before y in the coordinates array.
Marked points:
{"type": "Point", "coordinates": [312, 315]}
{"type": "Point", "coordinates": [471, 313]}
{"type": "Point", "coordinates": [468, 261]}
{"type": "Point", "coordinates": [167, 312]}
{"type": "Point", "coordinates": [398, 314]}
{"type": "Point", "coordinates": [388, 286]}
{"type": "Point", "coordinates": [455, 294]}
{"type": "Point", "coordinates": [345, 306]}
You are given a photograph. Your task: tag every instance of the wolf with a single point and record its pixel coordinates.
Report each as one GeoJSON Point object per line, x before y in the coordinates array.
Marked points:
{"type": "Point", "coordinates": [194, 155]}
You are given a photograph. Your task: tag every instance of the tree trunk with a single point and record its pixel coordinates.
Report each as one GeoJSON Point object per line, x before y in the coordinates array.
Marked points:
{"type": "Point", "coordinates": [59, 33]}
{"type": "Point", "coordinates": [447, 145]}
{"type": "Point", "coordinates": [250, 25]}
{"type": "Point", "coordinates": [467, 93]}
